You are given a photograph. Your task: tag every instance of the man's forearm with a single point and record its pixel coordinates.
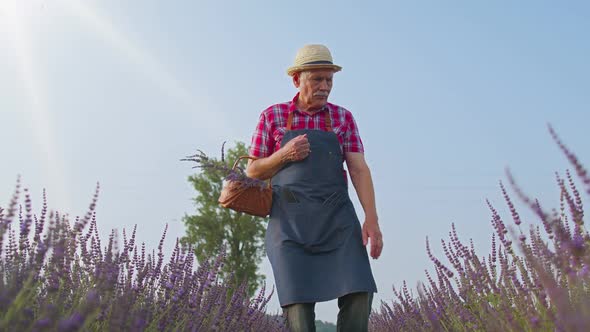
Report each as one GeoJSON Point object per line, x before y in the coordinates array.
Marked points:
{"type": "Point", "coordinates": [363, 183]}
{"type": "Point", "coordinates": [265, 168]}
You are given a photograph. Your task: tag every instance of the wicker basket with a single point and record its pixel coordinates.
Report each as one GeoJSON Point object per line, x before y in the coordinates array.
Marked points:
{"type": "Point", "coordinates": [252, 200]}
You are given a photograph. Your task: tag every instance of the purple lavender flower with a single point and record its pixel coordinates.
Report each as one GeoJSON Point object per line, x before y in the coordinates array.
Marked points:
{"type": "Point", "coordinates": [65, 280]}
{"type": "Point", "coordinates": [540, 284]}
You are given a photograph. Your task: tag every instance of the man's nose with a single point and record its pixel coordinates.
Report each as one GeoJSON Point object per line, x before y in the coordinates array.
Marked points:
{"type": "Point", "coordinates": [324, 85]}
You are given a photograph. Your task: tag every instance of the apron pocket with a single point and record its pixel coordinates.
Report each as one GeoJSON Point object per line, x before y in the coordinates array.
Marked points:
{"type": "Point", "coordinates": [316, 227]}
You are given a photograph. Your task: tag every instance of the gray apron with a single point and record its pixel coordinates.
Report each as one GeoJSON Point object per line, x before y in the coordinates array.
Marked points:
{"type": "Point", "coordinates": [314, 239]}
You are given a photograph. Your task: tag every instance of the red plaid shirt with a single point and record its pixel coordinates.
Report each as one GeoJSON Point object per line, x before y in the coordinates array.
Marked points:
{"type": "Point", "coordinates": [273, 122]}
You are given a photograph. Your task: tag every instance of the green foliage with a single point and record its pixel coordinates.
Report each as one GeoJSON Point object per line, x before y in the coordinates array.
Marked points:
{"type": "Point", "coordinates": [321, 326]}
{"type": "Point", "coordinates": [214, 226]}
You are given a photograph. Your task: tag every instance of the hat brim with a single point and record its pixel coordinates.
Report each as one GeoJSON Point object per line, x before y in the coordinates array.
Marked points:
{"type": "Point", "coordinates": [294, 69]}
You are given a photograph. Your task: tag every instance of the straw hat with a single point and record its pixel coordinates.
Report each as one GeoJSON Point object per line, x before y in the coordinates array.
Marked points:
{"type": "Point", "coordinates": [312, 57]}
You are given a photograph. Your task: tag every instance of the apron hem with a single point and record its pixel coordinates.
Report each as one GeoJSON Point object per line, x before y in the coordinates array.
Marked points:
{"type": "Point", "coordinates": [329, 298]}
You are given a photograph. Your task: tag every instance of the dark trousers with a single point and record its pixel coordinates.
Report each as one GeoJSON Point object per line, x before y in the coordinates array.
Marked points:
{"type": "Point", "coordinates": [352, 317]}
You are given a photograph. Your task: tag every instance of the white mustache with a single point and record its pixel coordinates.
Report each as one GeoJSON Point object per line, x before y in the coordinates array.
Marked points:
{"type": "Point", "coordinates": [321, 93]}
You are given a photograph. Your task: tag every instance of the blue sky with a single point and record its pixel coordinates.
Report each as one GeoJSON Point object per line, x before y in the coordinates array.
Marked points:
{"type": "Point", "coordinates": [446, 96]}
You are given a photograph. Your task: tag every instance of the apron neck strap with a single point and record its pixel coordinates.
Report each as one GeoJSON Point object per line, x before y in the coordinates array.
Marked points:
{"type": "Point", "coordinates": [326, 113]}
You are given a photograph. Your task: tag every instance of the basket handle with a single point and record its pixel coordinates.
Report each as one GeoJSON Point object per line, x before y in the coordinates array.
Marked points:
{"type": "Point", "coordinates": [247, 157]}
{"type": "Point", "coordinates": [240, 158]}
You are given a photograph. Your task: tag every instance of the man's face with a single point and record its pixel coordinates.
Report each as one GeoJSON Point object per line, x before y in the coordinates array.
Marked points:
{"type": "Point", "coordinates": [314, 88]}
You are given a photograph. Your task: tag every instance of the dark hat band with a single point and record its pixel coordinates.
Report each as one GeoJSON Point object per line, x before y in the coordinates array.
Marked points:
{"type": "Point", "coordinates": [321, 62]}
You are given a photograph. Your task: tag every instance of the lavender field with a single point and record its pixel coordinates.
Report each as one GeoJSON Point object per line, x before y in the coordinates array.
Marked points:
{"type": "Point", "coordinates": [535, 278]}
{"type": "Point", "coordinates": [57, 274]}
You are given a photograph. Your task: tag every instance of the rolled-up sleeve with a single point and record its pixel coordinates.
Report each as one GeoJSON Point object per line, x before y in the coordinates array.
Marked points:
{"type": "Point", "coordinates": [352, 138]}
{"type": "Point", "coordinates": [262, 144]}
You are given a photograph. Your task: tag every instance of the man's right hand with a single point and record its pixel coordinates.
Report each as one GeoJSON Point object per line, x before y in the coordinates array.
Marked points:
{"type": "Point", "coordinates": [264, 168]}
{"type": "Point", "coordinates": [296, 149]}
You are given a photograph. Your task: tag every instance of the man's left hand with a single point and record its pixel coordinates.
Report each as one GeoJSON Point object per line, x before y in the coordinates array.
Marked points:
{"type": "Point", "coordinates": [371, 231]}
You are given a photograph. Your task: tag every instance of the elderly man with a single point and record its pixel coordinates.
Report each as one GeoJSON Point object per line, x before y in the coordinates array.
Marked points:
{"type": "Point", "coordinates": [314, 240]}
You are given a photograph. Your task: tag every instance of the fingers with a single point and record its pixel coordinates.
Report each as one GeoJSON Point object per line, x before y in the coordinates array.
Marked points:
{"type": "Point", "coordinates": [302, 144]}
{"type": "Point", "coordinates": [376, 244]}
{"type": "Point", "coordinates": [376, 248]}
{"type": "Point", "coordinates": [300, 147]}
{"type": "Point", "coordinates": [371, 233]}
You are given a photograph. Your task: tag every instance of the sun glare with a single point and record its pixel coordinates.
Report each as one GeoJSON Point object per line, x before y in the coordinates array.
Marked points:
{"type": "Point", "coordinates": [8, 12]}
{"type": "Point", "coordinates": [17, 9]}
{"type": "Point", "coordinates": [19, 27]}
{"type": "Point", "coordinates": [16, 17]}
{"type": "Point", "coordinates": [8, 6]}
{"type": "Point", "coordinates": [15, 13]}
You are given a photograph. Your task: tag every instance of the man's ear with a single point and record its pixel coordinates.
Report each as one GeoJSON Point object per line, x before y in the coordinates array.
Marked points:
{"type": "Point", "coordinates": [296, 79]}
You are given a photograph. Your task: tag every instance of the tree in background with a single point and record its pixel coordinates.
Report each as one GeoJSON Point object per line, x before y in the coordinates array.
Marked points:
{"type": "Point", "coordinates": [321, 326]}
{"type": "Point", "coordinates": [214, 226]}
